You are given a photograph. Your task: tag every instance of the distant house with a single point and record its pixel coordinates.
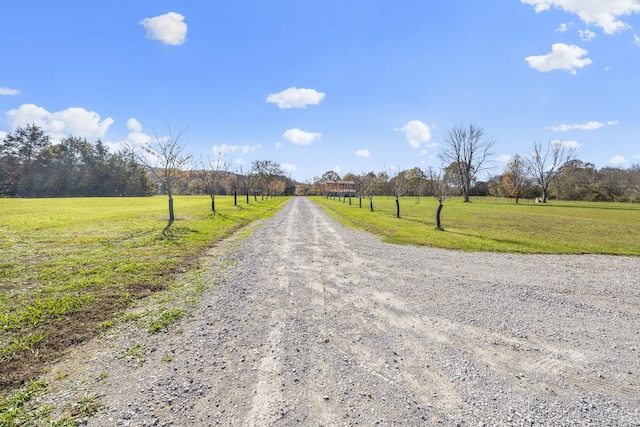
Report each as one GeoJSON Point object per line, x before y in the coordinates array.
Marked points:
{"type": "Point", "coordinates": [340, 188]}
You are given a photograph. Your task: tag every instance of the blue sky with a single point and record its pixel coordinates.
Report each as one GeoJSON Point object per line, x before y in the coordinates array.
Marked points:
{"type": "Point", "coordinates": [350, 86]}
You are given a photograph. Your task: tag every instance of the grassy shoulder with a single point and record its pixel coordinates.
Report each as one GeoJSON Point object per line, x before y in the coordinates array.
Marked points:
{"type": "Point", "coordinates": [70, 266]}
{"type": "Point", "coordinates": [498, 225]}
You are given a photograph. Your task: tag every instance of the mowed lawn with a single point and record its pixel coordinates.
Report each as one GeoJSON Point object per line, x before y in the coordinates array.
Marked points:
{"type": "Point", "coordinates": [69, 265]}
{"type": "Point", "coordinates": [498, 225]}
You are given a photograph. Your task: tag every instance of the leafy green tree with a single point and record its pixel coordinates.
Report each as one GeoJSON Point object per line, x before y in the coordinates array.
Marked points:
{"type": "Point", "coordinates": [18, 150]}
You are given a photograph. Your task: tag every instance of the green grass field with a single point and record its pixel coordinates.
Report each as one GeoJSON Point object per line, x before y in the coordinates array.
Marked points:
{"type": "Point", "coordinates": [498, 225]}
{"type": "Point", "coordinates": [70, 266]}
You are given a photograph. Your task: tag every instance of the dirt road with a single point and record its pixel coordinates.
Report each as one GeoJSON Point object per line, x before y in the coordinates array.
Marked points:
{"type": "Point", "coordinates": [317, 324]}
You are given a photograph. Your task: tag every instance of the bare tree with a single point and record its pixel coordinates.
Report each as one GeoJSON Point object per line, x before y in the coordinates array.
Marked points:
{"type": "Point", "coordinates": [265, 173]}
{"type": "Point", "coordinates": [240, 182]}
{"type": "Point", "coordinates": [166, 160]}
{"type": "Point", "coordinates": [545, 163]}
{"type": "Point", "coordinates": [515, 180]}
{"type": "Point", "coordinates": [211, 173]}
{"type": "Point", "coordinates": [443, 189]}
{"type": "Point", "coordinates": [399, 186]}
{"type": "Point", "coordinates": [469, 151]}
{"type": "Point", "coordinates": [359, 183]}
{"type": "Point", "coordinates": [368, 187]}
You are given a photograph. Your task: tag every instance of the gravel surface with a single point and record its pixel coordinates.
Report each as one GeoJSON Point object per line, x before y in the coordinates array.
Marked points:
{"type": "Point", "coordinates": [316, 324]}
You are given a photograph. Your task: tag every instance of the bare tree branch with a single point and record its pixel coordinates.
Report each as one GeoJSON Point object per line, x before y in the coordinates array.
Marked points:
{"type": "Point", "coordinates": [469, 151]}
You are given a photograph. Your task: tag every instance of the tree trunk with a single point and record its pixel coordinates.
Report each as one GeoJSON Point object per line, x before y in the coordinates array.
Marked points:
{"type": "Point", "coordinates": [466, 188]}
{"type": "Point", "coordinates": [247, 197]}
{"type": "Point", "coordinates": [235, 198]}
{"type": "Point", "coordinates": [371, 204]}
{"type": "Point", "coordinates": [438, 223]}
{"type": "Point", "coordinates": [360, 202]}
{"type": "Point", "coordinates": [213, 203]}
{"type": "Point", "coordinates": [171, 215]}
{"type": "Point", "coordinates": [397, 207]}
{"type": "Point", "coordinates": [517, 199]}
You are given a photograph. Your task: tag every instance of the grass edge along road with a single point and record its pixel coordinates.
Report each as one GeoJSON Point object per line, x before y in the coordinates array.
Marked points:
{"type": "Point", "coordinates": [497, 225]}
{"type": "Point", "coordinates": [69, 267]}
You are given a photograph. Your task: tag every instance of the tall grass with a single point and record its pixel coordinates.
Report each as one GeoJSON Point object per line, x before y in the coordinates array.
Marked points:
{"type": "Point", "coordinates": [67, 265]}
{"type": "Point", "coordinates": [499, 225]}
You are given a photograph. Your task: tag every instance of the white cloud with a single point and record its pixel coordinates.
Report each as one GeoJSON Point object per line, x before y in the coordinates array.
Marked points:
{"type": "Point", "coordinates": [503, 158]}
{"type": "Point", "coordinates": [134, 125]}
{"type": "Point", "coordinates": [246, 149]}
{"type": "Point", "coordinates": [603, 13]}
{"type": "Point", "coordinates": [416, 133]}
{"type": "Point", "coordinates": [136, 137]}
{"type": "Point", "coordinates": [7, 91]}
{"type": "Point", "coordinates": [79, 121]}
{"type": "Point", "coordinates": [60, 124]}
{"type": "Point", "coordinates": [287, 167]}
{"type": "Point", "coordinates": [3, 135]}
{"type": "Point", "coordinates": [364, 153]}
{"type": "Point", "coordinates": [337, 169]}
{"type": "Point", "coordinates": [278, 145]}
{"type": "Point", "coordinates": [586, 35]}
{"type": "Point", "coordinates": [586, 126]}
{"type": "Point", "coordinates": [568, 144]}
{"type": "Point", "coordinates": [243, 150]}
{"type": "Point", "coordinates": [562, 57]}
{"type": "Point", "coordinates": [636, 39]}
{"type": "Point", "coordinates": [169, 28]}
{"type": "Point", "coordinates": [300, 137]}
{"type": "Point", "coordinates": [617, 160]}
{"type": "Point", "coordinates": [562, 28]}
{"type": "Point", "coordinates": [296, 98]}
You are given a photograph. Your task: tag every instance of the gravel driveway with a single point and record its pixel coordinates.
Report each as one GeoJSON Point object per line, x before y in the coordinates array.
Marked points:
{"type": "Point", "coordinates": [317, 324]}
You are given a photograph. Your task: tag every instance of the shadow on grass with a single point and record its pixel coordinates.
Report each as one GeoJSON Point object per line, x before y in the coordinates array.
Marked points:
{"type": "Point", "coordinates": [511, 245]}
{"type": "Point", "coordinates": [168, 232]}
{"type": "Point", "coordinates": [173, 233]}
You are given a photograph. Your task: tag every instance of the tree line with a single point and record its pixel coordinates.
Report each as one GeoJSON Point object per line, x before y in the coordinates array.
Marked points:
{"type": "Point", "coordinates": [549, 171]}
{"type": "Point", "coordinates": [32, 166]}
